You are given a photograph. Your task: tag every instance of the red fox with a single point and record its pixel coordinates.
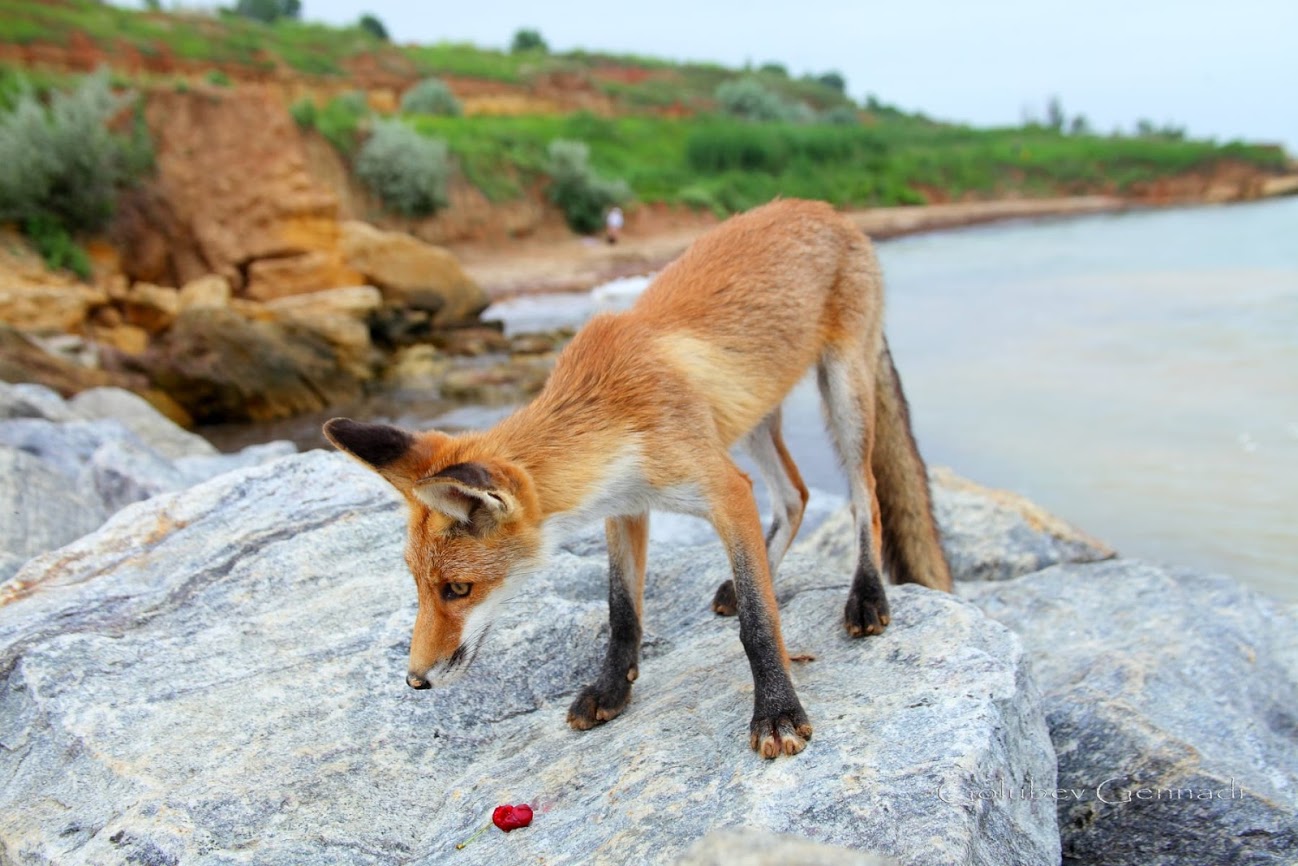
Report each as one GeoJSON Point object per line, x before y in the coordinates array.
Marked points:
{"type": "Point", "coordinates": [640, 413]}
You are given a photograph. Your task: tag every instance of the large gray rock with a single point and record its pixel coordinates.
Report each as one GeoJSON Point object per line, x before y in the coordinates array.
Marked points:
{"type": "Point", "coordinates": [987, 534]}
{"type": "Point", "coordinates": [42, 509]}
{"type": "Point", "coordinates": [152, 427]}
{"type": "Point", "coordinates": [758, 848]}
{"type": "Point", "coordinates": [64, 474]}
{"type": "Point", "coordinates": [216, 676]}
{"type": "Point", "coordinates": [25, 400]}
{"type": "Point", "coordinates": [1173, 704]}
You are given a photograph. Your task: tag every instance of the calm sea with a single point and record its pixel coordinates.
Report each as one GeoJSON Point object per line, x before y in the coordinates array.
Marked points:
{"type": "Point", "coordinates": [1135, 374]}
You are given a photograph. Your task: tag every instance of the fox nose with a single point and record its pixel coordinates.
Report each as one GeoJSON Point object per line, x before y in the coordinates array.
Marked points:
{"type": "Point", "coordinates": [416, 682]}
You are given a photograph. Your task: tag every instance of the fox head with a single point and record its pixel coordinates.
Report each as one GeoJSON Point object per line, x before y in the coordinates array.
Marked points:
{"type": "Point", "coordinates": [474, 533]}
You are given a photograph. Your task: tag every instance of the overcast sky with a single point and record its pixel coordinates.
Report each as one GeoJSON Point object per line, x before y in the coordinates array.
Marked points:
{"type": "Point", "coordinates": [1223, 69]}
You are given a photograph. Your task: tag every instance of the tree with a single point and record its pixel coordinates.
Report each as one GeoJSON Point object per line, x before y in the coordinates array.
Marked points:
{"type": "Point", "coordinates": [1055, 114]}
{"type": "Point", "coordinates": [372, 25]}
{"type": "Point", "coordinates": [833, 80]}
{"type": "Point", "coordinates": [529, 40]}
{"type": "Point", "coordinates": [268, 10]}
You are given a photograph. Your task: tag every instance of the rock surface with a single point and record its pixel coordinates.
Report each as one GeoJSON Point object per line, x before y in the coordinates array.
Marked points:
{"type": "Point", "coordinates": [755, 848]}
{"type": "Point", "coordinates": [1172, 698]}
{"type": "Point", "coordinates": [412, 273]}
{"type": "Point", "coordinates": [216, 676]}
{"type": "Point", "coordinates": [66, 466]}
{"type": "Point", "coordinates": [222, 366]}
{"type": "Point", "coordinates": [987, 534]}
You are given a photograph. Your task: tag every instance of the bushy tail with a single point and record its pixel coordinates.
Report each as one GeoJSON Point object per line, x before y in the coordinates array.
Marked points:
{"type": "Point", "coordinates": [911, 550]}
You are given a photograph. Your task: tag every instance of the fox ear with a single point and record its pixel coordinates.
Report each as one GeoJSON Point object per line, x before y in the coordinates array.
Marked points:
{"type": "Point", "coordinates": [376, 444]}
{"type": "Point", "coordinates": [469, 494]}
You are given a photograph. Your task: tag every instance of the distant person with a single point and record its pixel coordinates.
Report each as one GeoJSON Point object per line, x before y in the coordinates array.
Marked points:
{"type": "Point", "coordinates": [613, 224]}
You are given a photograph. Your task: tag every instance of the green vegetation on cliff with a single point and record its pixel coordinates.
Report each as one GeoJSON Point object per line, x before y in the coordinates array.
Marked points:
{"type": "Point", "coordinates": [695, 134]}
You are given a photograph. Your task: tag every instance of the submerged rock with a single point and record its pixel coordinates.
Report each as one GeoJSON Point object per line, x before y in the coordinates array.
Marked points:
{"type": "Point", "coordinates": [1172, 698]}
{"type": "Point", "coordinates": [221, 671]}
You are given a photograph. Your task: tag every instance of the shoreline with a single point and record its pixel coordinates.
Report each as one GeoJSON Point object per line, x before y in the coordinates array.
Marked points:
{"type": "Point", "coordinates": [578, 264]}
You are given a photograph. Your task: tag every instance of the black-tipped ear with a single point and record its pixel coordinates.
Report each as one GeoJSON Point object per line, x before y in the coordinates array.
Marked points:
{"type": "Point", "coordinates": [376, 444]}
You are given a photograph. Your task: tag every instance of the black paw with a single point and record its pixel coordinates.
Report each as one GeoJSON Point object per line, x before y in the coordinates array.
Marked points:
{"type": "Point", "coordinates": [725, 602]}
{"type": "Point", "coordinates": [596, 704]}
{"type": "Point", "coordinates": [779, 733]}
{"type": "Point", "coordinates": [867, 610]}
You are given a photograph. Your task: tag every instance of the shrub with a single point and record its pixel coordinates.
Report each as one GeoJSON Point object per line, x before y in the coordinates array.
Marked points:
{"type": "Point", "coordinates": [373, 26]}
{"type": "Point", "coordinates": [62, 163]}
{"type": "Point", "coordinates": [56, 246]}
{"type": "Point", "coordinates": [304, 113]}
{"type": "Point", "coordinates": [841, 115]}
{"type": "Point", "coordinates": [582, 195]}
{"type": "Point", "coordinates": [408, 172]}
{"type": "Point", "coordinates": [268, 11]}
{"type": "Point", "coordinates": [431, 96]}
{"type": "Point", "coordinates": [747, 98]}
{"type": "Point", "coordinates": [528, 40]}
{"type": "Point", "coordinates": [218, 78]}
{"type": "Point", "coordinates": [339, 120]}
{"type": "Point", "coordinates": [834, 81]}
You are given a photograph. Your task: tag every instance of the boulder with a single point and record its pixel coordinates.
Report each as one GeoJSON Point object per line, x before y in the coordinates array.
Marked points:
{"type": "Point", "coordinates": [340, 316]}
{"type": "Point", "coordinates": [305, 273]}
{"type": "Point", "coordinates": [986, 534]}
{"type": "Point", "coordinates": [223, 367]}
{"type": "Point", "coordinates": [127, 339]}
{"type": "Point", "coordinates": [43, 508]}
{"type": "Point", "coordinates": [24, 360]}
{"type": "Point", "coordinates": [33, 401]}
{"type": "Point", "coordinates": [412, 273]}
{"type": "Point", "coordinates": [146, 306]}
{"type": "Point", "coordinates": [207, 292]}
{"type": "Point", "coordinates": [138, 415]}
{"type": "Point", "coordinates": [48, 309]}
{"type": "Point", "coordinates": [221, 671]}
{"type": "Point", "coordinates": [1172, 698]}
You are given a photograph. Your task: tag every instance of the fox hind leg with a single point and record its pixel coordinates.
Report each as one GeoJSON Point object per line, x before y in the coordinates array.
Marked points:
{"type": "Point", "coordinates": [788, 500]}
{"type": "Point", "coordinates": [847, 388]}
{"type": "Point", "coordinates": [605, 698]}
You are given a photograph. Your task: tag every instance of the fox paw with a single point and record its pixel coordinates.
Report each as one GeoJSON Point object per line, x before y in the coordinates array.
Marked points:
{"type": "Point", "coordinates": [785, 734]}
{"type": "Point", "coordinates": [598, 703]}
{"type": "Point", "coordinates": [725, 602]}
{"type": "Point", "coordinates": [866, 613]}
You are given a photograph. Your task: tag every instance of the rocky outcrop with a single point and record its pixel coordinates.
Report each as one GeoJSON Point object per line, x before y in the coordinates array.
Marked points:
{"type": "Point", "coordinates": [36, 299]}
{"type": "Point", "coordinates": [230, 192]}
{"type": "Point", "coordinates": [66, 466]}
{"type": "Point", "coordinates": [221, 670]}
{"type": "Point", "coordinates": [1172, 698]}
{"type": "Point", "coordinates": [413, 274]}
{"type": "Point", "coordinates": [222, 366]}
{"type": "Point", "coordinates": [987, 534]}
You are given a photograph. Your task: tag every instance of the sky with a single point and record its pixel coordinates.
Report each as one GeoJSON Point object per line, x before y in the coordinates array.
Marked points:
{"type": "Point", "coordinates": [1220, 69]}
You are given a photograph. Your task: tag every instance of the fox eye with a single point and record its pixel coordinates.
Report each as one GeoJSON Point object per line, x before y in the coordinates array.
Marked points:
{"type": "Point", "coordinates": [456, 590]}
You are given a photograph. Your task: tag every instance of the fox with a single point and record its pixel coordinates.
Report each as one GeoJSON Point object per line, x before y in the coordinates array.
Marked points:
{"type": "Point", "coordinates": [642, 412]}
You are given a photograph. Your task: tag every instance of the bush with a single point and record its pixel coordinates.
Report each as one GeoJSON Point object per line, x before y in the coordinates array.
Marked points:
{"type": "Point", "coordinates": [218, 78]}
{"type": "Point", "coordinates": [373, 26]}
{"type": "Point", "coordinates": [56, 246]}
{"type": "Point", "coordinates": [747, 98]}
{"type": "Point", "coordinates": [408, 172]}
{"type": "Point", "coordinates": [340, 119]}
{"type": "Point", "coordinates": [834, 81]}
{"type": "Point", "coordinates": [304, 113]}
{"type": "Point", "coordinates": [61, 163]}
{"type": "Point", "coordinates": [431, 96]}
{"type": "Point", "coordinates": [528, 40]}
{"type": "Point", "coordinates": [841, 115]}
{"type": "Point", "coordinates": [582, 195]}
{"type": "Point", "coordinates": [268, 11]}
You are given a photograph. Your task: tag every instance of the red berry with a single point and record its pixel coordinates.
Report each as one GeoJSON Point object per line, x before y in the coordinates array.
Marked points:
{"type": "Point", "coordinates": [512, 817]}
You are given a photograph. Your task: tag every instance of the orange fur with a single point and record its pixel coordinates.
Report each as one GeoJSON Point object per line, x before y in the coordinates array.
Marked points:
{"type": "Point", "coordinates": [641, 412]}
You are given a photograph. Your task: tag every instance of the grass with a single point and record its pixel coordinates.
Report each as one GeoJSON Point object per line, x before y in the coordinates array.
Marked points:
{"type": "Point", "coordinates": [731, 165]}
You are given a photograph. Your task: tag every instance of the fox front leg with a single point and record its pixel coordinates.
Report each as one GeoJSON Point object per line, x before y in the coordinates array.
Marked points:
{"type": "Point", "coordinates": [609, 694]}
